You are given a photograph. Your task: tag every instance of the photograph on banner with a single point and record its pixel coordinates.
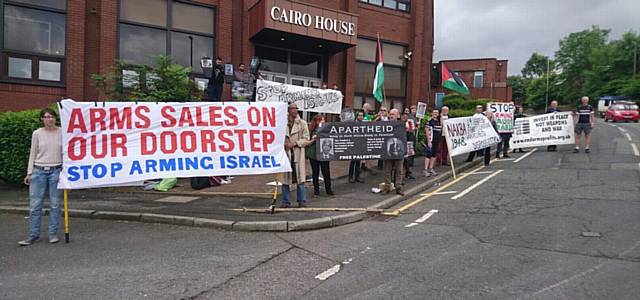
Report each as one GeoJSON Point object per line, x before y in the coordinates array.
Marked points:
{"type": "Point", "coordinates": [503, 114]}
{"type": "Point", "coordinates": [468, 134]}
{"type": "Point", "coordinates": [543, 130]}
{"type": "Point", "coordinates": [359, 140]}
{"type": "Point", "coordinates": [242, 91]}
{"type": "Point", "coordinates": [421, 109]}
{"type": "Point", "coordinates": [307, 98]}
{"type": "Point", "coordinates": [113, 143]}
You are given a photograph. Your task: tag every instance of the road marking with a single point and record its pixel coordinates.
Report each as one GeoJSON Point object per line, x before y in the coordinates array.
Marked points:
{"type": "Point", "coordinates": [522, 157]}
{"type": "Point", "coordinates": [477, 184]}
{"type": "Point", "coordinates": [628, 136]}
{"type": "Point", "coordinates": [505, 159]}
{"type": "Point", "coordinates": [427, 216]}
{"type": "Point", "coordinates": [482, 172]}
{"type": "Point", "coordinates": [441, 188]}
{"type": "Point", "coordinates": [411, 225]}
{"type": "Point", "coordinates": [440, 193]}
{"type": "Point", "coordinates": [621, 129]}
{"type": "Point", "coordinates": [635, 149]}
{"type": "Point", "coordinates": [328, 273]}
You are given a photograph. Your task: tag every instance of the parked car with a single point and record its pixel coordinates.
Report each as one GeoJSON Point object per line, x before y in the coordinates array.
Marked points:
{"type": "Point", "coordinates": [619, 112]}
{"type": "Point", "coordinates": [605, 101]}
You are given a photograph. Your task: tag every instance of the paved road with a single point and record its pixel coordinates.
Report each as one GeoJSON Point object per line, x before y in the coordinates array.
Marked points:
{"type": "Point", "coordinates": [516, 234]}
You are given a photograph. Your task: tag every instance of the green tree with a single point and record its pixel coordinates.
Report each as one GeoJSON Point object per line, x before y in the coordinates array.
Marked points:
{"type": "Point", "coordinates": [536, 66]}
{"type": "Point", "coordinates": [165, 81]}
{"type": "Point", "coordinates": [518, 86]}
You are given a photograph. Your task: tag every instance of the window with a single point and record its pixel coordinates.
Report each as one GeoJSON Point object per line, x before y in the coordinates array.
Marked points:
{"type": "Point", "coordinates": [34, 40]}
{"type": "Point", "coordinates": [478, 77]}
{"type": "Point", "coordinates": [148, 30]}
{"type": "Point", "coordinates": [395, 71]}
{"type": "Point", "coordinates": [402, 5]}
{"type": "Point", "coordinates": [289, 62]}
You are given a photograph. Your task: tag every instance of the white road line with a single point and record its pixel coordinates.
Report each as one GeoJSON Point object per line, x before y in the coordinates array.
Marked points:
{"type": "Point", "coordinates": [635, 149]}
{"type": "Point", "coordinates": [411, 225]}
{"type": "Point", "coordinates": [628, 136]}
{"type": "Point", "coordinates": [477, 184]}
{"type": "Point", "coordinates": [505, 159]}
{"type": "Point", "coordinates": [522, 157]}
{"type": "Point", "coordinates": [427, 216]}
{"type": "Point", "coordinates": [328, 273]}
{"type": "Point", "coordinates": [622, 129]}
{"type": "Point", "coordinates": [439, 193]}
{"type": "Point", "coordinates": [482, 172]}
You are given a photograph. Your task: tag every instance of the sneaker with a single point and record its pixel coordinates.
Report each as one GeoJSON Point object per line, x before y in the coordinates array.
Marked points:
{"type": "Point", "coordinates": [506, 156]}
{"type": "Point", "coordinates": [427, 173]}
{"type": "Point", "coordinates": [358, 180]}
{"type": "Point", "coordinates": [587, 150]}
{"type": "Point", "coordinates": [54, 239]}
{"type": "Point", "coordinates": [284, 205]}
{"type": "Point", "coordinates": [576, 150]}
{"type": "Point", "coordinates": [27, 242]}
{"type": "Point", "coordinates": [410, 177]}
{"type": "Point", "coordinates": [399, 191]}
{"type": "Point", "coordinates": [330, 193]}
{"type": "Point", "coordinates": [302, 205]}
{"type": "Point", "coordinates": [433, 173]}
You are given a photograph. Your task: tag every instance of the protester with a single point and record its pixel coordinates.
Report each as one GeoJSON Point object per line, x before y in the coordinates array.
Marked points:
{"type": "Point", "coordinates": [584, 122]}
{"type": "Point", "coordinates": [486, 151]}
{"type": "Point", "coordinates": [241, 75]}
{"type": "Point", "coordinates": [296, 140]}
{"type": "Point", "coordinates": [443, 152]}
{"type": "Point", "coordinates": [335, 87]}
{"type": "Point", "coordinates": [391, 165]}
{"type": "Point", "coordinates": [316, 166]}
{"type": "Point", "coordinates": [503, 145]}
{"type": "Point", "coordinates": [433, 133]}
{"type": "Point", "coordinates": [324, 86]}
{"type": "Point", "coordinates": [355, 165]}
{"type": "Point", "coordinates": [519, 114]}
{"type": "Point", "coordinates": [368, 115]}
{"type": "Point", "coordinates": [216, 82]}
{"type": "Point", "coordinates": [553, 108]}
{"type": "Point", "coordinates": [43, 171]}
{"type": "Point", "coordinates": [410, 128]}
{"type": "Point", "coordinates": [383, 115]}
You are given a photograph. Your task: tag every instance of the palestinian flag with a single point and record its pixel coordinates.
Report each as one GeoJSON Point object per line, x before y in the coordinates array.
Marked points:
{"type": "Point", "coordinates": [451, 81]}
{"type": "Point", "coordinates": [378, 77]}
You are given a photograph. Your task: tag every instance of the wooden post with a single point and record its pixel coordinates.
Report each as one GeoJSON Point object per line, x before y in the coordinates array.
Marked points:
{"type": "Point", "coordinates": [66, 216]}
{"type": "Point", "coordinates": [446, 133]}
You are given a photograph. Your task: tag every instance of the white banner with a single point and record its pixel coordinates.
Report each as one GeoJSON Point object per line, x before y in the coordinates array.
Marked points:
{"type": "Point", "coordinates": [503, 114]}
{"type": "Point", "coordinates": [469, 134]}
{"type": "Point", "coordinates": [307, 99]}
{"type": "Point", "coordinates": [112, 143]}
{"type": "Point", "coordinates": [543, 130]}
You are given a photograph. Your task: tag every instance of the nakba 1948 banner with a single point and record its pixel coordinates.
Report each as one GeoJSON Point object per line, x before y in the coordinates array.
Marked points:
{"type": "Point", "coordinates": [543, 130]}
{"type": "Point", "coordinates": [469, 134]}
{"type": "Point", "coordinates": [111, 143]}
{"type": "Point", "coordinates": [503, 114]}
{"type": "Point", "coordinates": [361, 140]}
{"type": "Point", "coordinates": [307, 99]}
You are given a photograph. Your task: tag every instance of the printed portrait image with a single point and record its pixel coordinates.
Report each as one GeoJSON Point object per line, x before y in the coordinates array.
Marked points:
{"type": "Point", "coordinates": [395, 147]}
{"type": "Point", "coordinates": [326, 148]}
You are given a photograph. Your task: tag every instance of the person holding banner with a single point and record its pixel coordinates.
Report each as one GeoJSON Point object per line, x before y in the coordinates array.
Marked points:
{"type": "Point", "coordinates": [443, 152]}
{"type": "Point", "coordinates": [519, 114]}
{"type": "Point", "coordinates": [297, 139]}
{"type": "Point", "coordinates": [316, 165]}
{"type": "Point", "coordinates": [410, 128]}
{"type": "Point", "coordinates": [355, 165]}
{"type": "Point", "coordinates": [433, 132]}
{"type": "Point", "coordinates": [43, 172]}
{"type": "Point", "coordinates": [391, 165]}
{"type": "Point", "coordinates": [486, 151]}
{"type": "Point", "coordinates": [553, 108]}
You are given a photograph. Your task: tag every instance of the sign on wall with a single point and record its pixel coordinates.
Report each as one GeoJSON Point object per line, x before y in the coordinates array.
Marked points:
{"type": "Point", "coordinates": [543, 130]}
{"type": "Point", "coordinates": [307, 99]}
{"type": "Point", "coordinates": [123, 142]}
{"type": "Point", "coordinates": [503, 114]}
{"type": "Point", "coordinates": [469, 134]}
{"type": "Point", "coordinates": [361, 140]}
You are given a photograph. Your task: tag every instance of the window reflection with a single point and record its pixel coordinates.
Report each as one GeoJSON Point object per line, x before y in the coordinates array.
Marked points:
{"type": "Point", "coordinates": [49, 70]}
{"type": "Point", "coordinates": [33, 30]}
{"type": "Point", "coordinates": [305, 65]}
{"type": "Point", "coordinates": [139, 44]}
{"type": "Point", "coordinates": [19, 68]}
{"type": "Point", "coordinates": [181, 49]}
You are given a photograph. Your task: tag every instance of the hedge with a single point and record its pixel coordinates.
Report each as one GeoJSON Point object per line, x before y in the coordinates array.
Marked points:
{"type": "Point", "coordinates": [15, 142]}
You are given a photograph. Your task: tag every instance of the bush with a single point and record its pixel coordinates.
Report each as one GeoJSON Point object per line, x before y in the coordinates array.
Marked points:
{"type": "Point", "coordinates": [15, 142]}
{"type": "Point", "coordinates": [455, 113]}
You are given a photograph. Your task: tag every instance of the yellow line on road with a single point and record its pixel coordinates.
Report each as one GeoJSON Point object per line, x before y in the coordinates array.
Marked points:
{"type": "Point", "coordinates": [426, 196]}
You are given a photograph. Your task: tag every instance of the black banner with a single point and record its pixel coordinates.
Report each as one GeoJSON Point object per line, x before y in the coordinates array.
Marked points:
{"type": "Point", "coordinates": [361, 140]}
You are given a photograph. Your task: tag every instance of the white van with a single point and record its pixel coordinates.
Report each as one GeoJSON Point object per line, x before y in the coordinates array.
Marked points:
{"type": "Point", "coordinates": [605, 101]}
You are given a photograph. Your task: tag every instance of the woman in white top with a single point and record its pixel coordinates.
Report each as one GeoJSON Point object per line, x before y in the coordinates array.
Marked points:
{"type": "Point", "coordinates": [43, 171]}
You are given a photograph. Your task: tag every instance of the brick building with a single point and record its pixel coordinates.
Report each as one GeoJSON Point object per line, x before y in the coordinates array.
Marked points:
{"type": "Point", "coordinates": [52, 47]}
{"type": "Point", "coordinates": [485, 77]}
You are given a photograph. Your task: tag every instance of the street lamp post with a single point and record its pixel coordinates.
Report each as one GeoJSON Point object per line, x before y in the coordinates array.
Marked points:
{"type": "Point", "coordinates": [546, 93]}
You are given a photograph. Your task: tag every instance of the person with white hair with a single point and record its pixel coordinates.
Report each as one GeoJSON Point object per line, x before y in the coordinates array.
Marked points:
{"type": "Point", "coordinates": [583, 123]}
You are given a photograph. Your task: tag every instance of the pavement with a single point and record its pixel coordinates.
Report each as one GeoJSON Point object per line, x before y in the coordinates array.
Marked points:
{"type": "Point", "coordinates": [244, 203]}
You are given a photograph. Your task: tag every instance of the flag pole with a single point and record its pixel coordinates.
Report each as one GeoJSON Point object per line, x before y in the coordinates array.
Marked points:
{"type": "Point", "coordinates": [384, 93]}
{"type": "Point", "coordinates": [66, 216]}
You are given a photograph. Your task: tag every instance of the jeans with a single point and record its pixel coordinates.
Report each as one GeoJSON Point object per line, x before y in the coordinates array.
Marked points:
{"type": "Point", "coordinates": [487, 155]}
{"type": "Point", "coordinates": [214, 92]}
{"type": "Point", "coordinates": [286, 193]}
{"type": "Point", "coordinates": [504, 144]}
{"type": "Point", "coordinates": [316, 167]}
{"type": "Point", "coordinates": [41, 181]}
{"type": "Point", "coordinates": [354, 169]}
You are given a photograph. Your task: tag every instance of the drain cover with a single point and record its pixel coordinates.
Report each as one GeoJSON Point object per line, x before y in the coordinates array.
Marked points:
{"type": "Point", "coordinates": [591, 234]}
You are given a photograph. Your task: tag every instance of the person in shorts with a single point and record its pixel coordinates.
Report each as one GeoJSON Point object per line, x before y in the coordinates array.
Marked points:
{"type": "Point", "coordinates": [433, 132]}
{"type": "Point", "coordinates": [585, 121]}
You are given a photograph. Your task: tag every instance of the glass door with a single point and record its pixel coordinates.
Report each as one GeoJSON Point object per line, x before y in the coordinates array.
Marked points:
{"type": "Point", "coordinates": [305, 83]}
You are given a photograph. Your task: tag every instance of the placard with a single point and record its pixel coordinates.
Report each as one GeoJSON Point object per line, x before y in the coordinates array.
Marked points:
{"type": "Point", "coordinates": [503, 115]}
{"type": "Point", "coordinates": [543, 130]}
{"type": "Point", "coordinates": [421, 110]}
{"type": "Point", "coordinates": [469, 134]}
{"type": "Point", "coordinates": [361, 140]}
{"type": "Point", "coordinates": [307, 99]}
{"type": "Point", "coordinates": [112, 143]}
